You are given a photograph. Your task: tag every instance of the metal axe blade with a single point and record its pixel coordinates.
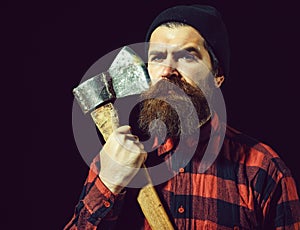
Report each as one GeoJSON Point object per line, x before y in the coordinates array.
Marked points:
{"type": "Point", "coordinates": [129, 73]}
{"type": "Point", "coordinates": [126, 76]}
{"type": "Point", "coordinates": [94, 92]}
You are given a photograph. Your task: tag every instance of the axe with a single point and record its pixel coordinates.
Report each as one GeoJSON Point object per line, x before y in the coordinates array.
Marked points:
{"type": "Point", "coordinates": [126, 76]}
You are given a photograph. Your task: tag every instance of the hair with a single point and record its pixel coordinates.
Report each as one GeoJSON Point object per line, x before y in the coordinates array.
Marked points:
{"type": "Point", "coordinates": [216, 68]}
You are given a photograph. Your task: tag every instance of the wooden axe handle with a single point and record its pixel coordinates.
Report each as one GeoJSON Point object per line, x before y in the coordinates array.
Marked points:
{"type": "Point", "coordinates": [106, 119]}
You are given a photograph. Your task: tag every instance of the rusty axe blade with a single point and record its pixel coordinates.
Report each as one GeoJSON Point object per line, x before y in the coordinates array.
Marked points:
{"type": "Point", "coordinates": [126, 76]}
{"type": "Point", "coordinates": [129, 73]}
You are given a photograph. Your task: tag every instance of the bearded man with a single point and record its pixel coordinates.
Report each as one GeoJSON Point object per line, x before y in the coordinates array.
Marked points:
{"type": "Point", "coordinates": [214, 177]}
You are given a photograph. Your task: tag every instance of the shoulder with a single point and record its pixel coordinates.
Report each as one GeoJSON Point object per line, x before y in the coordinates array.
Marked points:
{"type": "Point", "coordinates": [253, 154]}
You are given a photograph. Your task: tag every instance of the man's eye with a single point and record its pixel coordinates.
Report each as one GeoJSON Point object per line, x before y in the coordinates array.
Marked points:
{"type": "Point", "coordinates": [156, 58]}
{"type": "Point", "coordinates": [188, 57]}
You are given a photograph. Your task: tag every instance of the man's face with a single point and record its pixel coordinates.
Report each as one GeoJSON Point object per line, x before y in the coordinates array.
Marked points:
{"type": "Point", "coordinates": [179, 67]}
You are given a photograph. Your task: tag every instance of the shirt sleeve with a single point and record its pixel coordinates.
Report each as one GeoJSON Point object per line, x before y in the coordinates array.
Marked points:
{"type": "Point", "coordinates": [98, 207]}
{"type": "Point", "coordinates": [283, 206]}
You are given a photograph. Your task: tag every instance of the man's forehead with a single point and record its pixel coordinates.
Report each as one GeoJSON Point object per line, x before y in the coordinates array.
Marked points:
{"type": "Point", "coordinates": [163, 47]}
{"type": "Point", "coordinates": [164, 37]}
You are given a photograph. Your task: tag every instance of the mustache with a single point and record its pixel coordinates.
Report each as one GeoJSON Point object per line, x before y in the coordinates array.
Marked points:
{"type": "Point", "coordinates": [171, 87]}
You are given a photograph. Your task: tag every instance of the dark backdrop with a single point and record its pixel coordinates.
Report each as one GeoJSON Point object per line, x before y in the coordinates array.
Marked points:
{"type": "Point", "coordinates": [51, 46]}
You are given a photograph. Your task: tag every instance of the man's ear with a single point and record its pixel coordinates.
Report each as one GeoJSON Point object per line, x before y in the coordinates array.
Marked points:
{"type": "Point", "coordinates": [219, 80]}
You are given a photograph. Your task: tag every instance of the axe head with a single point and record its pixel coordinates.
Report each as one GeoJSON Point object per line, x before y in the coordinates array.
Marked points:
{"type": "Point", "coordinates": [126, 76]}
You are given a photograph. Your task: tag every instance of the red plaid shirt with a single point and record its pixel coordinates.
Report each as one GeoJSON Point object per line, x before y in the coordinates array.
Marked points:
{"type": "Point", "coordinates": [247, 187]}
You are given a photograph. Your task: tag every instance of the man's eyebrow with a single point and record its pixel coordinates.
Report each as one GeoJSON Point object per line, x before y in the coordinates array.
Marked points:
{"type": "Point", "coordinates": [191, 49]}
{"type": "Point", "coordinates": [154, 52]}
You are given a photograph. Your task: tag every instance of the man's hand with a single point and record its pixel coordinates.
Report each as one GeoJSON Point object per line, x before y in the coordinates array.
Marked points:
{"type": "Point", "coordinates": [121, 157]}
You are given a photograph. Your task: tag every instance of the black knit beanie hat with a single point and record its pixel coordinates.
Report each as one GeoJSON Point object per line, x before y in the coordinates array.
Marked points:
{"type": "Point", "coordinates": [207, 21]}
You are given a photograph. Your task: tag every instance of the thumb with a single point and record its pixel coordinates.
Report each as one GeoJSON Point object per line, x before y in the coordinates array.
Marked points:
{"type": "Point", "coordinates": [125, 129]}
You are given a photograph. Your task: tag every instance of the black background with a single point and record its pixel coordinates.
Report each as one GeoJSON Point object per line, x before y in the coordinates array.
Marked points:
{"type": "Point", "coordinates": [47, 49]}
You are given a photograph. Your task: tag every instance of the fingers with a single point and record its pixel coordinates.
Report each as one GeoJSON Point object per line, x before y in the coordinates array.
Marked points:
{"type": "Point", "coordinates": [120, 158]}
{"type": "Point", "coordinates": [125, 139]}
{"type": "Point", "coordinates": [125, 148]}
{"type": "Point", "coordinates": [126, 131]}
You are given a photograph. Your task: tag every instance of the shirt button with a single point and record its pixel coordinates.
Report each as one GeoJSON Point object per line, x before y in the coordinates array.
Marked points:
{"type": "Point", "coordinates": [181, 170]}
{"type": "Point", "coordinates": [181, 209]}
{"type": "Point", "coordinates": [106, 204]}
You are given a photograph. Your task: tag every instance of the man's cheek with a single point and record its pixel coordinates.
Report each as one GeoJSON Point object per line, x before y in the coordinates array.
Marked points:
{"type": "Point", "coordinates": [190, 78]}
{"type": "Point", "coordinates": [195, 72]}
{"type": "Point", "coordinates": [153, 73]}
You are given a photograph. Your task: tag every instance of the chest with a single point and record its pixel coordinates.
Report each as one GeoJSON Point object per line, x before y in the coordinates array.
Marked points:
{"type": "Point", "coordinates": [197, 201]}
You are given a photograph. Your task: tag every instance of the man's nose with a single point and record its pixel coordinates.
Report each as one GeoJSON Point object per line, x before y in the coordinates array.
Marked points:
{"type": "Point", "coordinates": [169, 72]}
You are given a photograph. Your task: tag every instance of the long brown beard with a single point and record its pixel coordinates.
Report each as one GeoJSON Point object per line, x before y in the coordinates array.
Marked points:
{"type": "Point", "coordinates": [173, 108]}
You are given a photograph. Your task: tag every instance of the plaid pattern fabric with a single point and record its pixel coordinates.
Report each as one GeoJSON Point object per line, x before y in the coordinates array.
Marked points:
{"type": "Point", "coordinates": [247, 187]}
